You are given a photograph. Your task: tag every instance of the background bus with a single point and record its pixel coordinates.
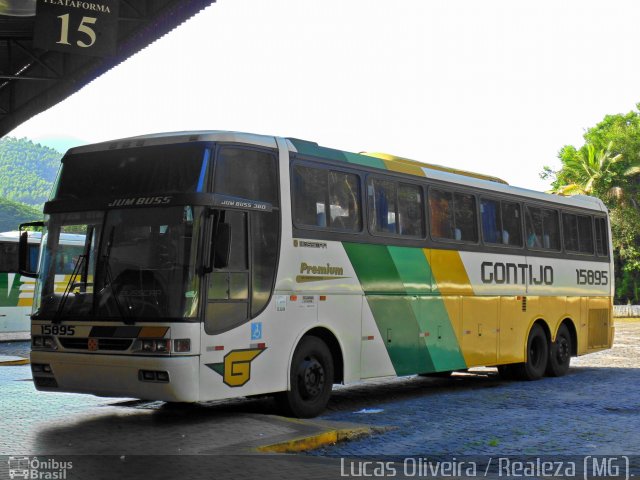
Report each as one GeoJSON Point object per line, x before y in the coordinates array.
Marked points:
{"type": "Point", "coordinates": [16, 291]}
{"type": "Point", "coordinates": [219, 264]}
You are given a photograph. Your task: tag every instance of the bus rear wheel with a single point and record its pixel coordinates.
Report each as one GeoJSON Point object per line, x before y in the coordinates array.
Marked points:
{"type": "Point", "coordinates": [560, 353]}
{"type": "Point", "coordinates": [537, 356]}
{"type": "Point", "coordinates": [311, 380]}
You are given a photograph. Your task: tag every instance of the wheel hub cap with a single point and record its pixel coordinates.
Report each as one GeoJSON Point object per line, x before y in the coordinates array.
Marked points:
{"type": "Point", "coordinates": [311, 376]}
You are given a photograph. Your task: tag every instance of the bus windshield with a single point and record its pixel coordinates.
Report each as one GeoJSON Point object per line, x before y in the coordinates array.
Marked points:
{"type": "Point", "coordinates": [132, 264]}
{"type": "Point", "coordinates": [169, 169]}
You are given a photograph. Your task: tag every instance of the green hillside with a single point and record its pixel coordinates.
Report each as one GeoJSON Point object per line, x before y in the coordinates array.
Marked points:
{"type": "Point", "coordinates": [27, 171]}
{"type": "Point", "coordinates": [13, 214]}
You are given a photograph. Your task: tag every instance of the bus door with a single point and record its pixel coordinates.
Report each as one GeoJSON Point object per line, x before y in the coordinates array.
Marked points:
{"type": "Point", "coordinates": [243, 238]}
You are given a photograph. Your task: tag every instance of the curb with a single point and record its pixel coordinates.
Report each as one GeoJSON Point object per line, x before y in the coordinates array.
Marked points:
{"type": "Point", "coordinates": [15, 337]}
{"type": "Point", "coordinates": [11, 363]}
{"type": "Point", "coordinates": [327, 437]}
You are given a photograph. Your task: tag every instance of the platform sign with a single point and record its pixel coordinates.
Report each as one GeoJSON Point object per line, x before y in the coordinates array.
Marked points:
{"type": "Point", "coordinates": [74, 26]}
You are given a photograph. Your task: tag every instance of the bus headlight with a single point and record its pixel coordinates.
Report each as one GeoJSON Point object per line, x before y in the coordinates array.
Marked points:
{"type": "Point", "coordinates": [148, 345]}
{"type": "Point", "coordinates": [182, 345]}
{"type": "Point", "coordinates": [42, 342]}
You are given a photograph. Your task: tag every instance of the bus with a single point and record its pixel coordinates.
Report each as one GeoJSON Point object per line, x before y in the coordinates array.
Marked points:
{"type": "Point", "coordinates": [16, 291]}
{"type": "Point", "coordinates": [220, 264]}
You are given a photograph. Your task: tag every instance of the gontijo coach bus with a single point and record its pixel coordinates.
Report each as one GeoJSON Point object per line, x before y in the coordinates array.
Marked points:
{"type": "Point", "coordinates": [219, 264]}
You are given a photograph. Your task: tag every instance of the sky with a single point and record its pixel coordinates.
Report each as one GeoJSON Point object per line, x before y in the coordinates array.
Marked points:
{"type": "Point", "coordinates": [492, 86]}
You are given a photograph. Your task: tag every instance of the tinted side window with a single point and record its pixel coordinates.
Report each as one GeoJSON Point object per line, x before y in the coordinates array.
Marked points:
{"type": "Point", "coordinates": [585, 234]}
{"type": "Point", "coordinates": [570, 232]}
{"type": "Point", "coordinates": [326, 198]}
{"type": "Point", "coordinates": [511, 224]}
{"type": "Point", "coordinates": [395, 208]}
{"type": "Point", "coordinates": [9, 257]}
{"type": "Point", "coordinates": [246, 173]}
{"type": "Point", "coordinates": [441, 213]}
{"type": "Point", "coordinates": [309, 187]}
{"type": "Point", "coordinates": [228, 290]}
{"type": "Point", "coordinates": [543, 230]}
{"type": "Point", "coordinates": [264, 251]}
{"type": "Point", "coordinates": [382, 205]}
{"type": "Point", "coordinates": [344, 201]}
{"type": "Point", "coordinates": [577, 233]}
{"type": "Point", "coordinates": [453, 215]}
{"type": "Point", "coordinates": [602, 241]}
{"type": "Point", "coordinates": [410, 211]}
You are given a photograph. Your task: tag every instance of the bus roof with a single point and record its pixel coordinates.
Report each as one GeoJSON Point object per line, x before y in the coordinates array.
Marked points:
{"type": "Point", "coordinates": [373, 160]}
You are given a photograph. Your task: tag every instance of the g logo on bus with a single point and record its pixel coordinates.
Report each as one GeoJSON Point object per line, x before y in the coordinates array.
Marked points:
{"type": "Point", "coordinates": [236, 368]}
{"type": "Point", "coordinates": [92, 344]}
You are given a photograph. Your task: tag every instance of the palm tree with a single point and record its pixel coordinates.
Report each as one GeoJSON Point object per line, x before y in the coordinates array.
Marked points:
{"type": "Point", "coordinates": [591, 172]}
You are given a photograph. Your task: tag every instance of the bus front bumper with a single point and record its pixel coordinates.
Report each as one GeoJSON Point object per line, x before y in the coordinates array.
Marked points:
{"type": "Point", "coordinates": [171, 379]}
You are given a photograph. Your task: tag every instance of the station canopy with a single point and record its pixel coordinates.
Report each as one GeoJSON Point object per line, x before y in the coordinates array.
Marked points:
{"type": "Point", "coordinates": [33, 80]}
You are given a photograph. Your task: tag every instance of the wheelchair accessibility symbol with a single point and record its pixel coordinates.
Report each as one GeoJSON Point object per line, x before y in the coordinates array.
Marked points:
{"type": "Point", "coordinates": [256, 331]}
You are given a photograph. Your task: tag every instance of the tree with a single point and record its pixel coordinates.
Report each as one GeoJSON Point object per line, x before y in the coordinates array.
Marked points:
{"type": "Point", "coordinates": [608, 166]}
{"type": "Point", "coordinates": [590, 172]}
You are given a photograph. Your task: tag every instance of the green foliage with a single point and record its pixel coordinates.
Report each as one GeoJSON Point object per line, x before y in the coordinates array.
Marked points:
{"type": "Point", "coordinates": [27, 171]}
{"type": "Point", "coordinates": [608, 167]}
{"type": "Point", "coordinates": [12, 214]}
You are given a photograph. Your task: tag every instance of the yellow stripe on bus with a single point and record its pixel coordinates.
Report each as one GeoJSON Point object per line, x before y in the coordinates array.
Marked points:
{"type": "Point", "coordinates": [448, 272]}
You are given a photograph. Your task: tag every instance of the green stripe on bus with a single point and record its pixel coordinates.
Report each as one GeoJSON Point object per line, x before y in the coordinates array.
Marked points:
{"type": "Point", "coordinates": [394, 314]}
{"type": "Point", "coordinates": [430, 311]}
{"type": "Point", "coordinates": [9, 298]}
{"type": "Point", "coordinates": [305, 147]}
{"type": "Point", "coordinates": [397, 285]}
{"type": "Point", "coordinates": [365, 160]}
{"type": "Point", "coordinates": [413, 269]}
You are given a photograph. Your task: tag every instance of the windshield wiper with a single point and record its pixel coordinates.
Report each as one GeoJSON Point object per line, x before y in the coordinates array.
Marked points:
{"type": "Point", "coordinates": [57, 318]}
{"type": "Point", "coordinates": [108, 276]}
{"type": "Point", "coordinates": [83, 260]}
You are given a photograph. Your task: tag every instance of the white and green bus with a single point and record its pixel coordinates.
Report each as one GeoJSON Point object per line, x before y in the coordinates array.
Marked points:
{"type": "Point", "coordinates": [220, 264]}
{"type": "Point", "coordinates": [16, 291]}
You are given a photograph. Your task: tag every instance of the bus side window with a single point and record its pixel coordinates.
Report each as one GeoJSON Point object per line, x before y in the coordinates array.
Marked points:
{"type": "Point", "coordinates": [9, 257]}
{"type": "Point", "coordinates": [491, 221]}
{"type": "Point", "coordinates": [309, 193]}
{"type": "Point", "coordinates": [501, 222]}
{"type": "Point", "coordinates": [511, 224]}
{"type": "Point", "coordinates": [441, 213]}
{"type": "Point", "coordinates": [543, 230]}
{"type": "Point", "coordinates": [578, 233]}
{"type": "Point", "coordinates": [326, 198]}
{"type": "Point", "coordinates": [344, 201]}
{"type": "Point", "coordinates": [602, 242]}
{"type": "Point", "coordinates": [453, 215]}
{"type": "Point", "coordinates": [247, 173]}
{"type": "Point", "coordinates": [228, 290]}
{"type": "Point", "coordinates": [382, 205]}
{"type": "Point", "coordinates": [410, 213]}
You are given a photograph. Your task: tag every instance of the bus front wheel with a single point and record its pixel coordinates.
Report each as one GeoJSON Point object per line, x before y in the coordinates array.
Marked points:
{"type": "Point", "coordinates": [560, 353]}
{"type": "Point", "coordinates": [311, 380]}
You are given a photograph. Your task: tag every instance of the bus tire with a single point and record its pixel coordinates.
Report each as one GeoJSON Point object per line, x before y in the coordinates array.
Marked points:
{"type": "Point", "coordinates": [537, 356]}
{"type": "Point", "coordinates": [560, 353]}
{"type": "Point", "coordinates": [311, 380]}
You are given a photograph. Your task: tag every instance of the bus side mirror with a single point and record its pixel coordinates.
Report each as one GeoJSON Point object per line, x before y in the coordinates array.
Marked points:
{"type": "Point", "coordinates": [222, 246]}
{"type": "Point", "coordinates": [27, 264]}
